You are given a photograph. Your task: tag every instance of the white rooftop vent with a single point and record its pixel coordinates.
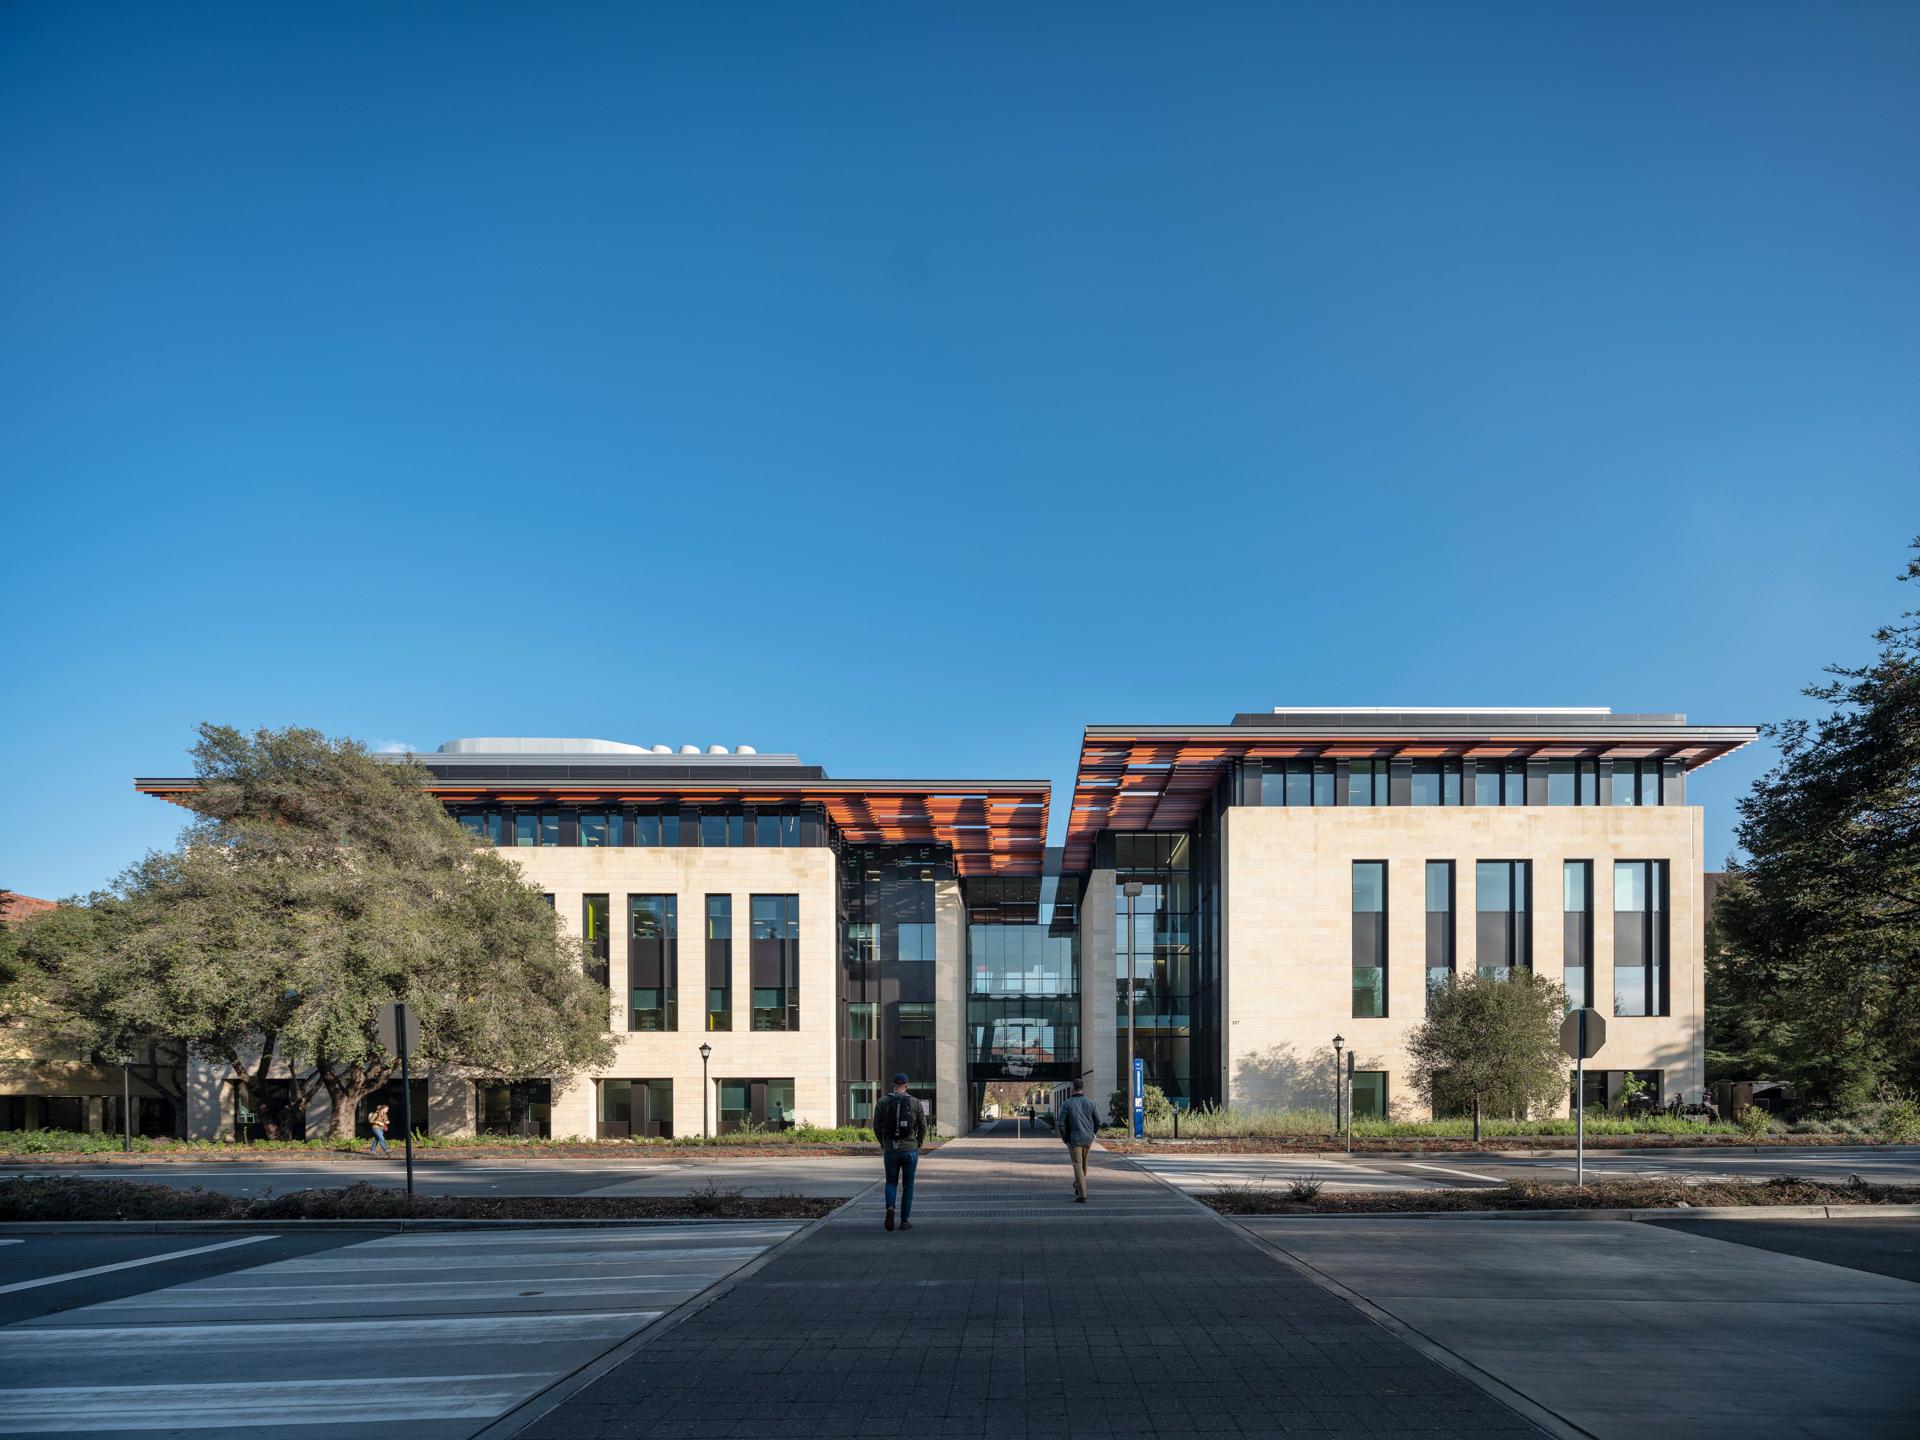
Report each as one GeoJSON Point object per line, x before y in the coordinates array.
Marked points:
{"type": "Point", "coordinates": [716, 749]}
{"type": "Point", "coordinates": [745, 750]}
{"type": "Point", "coordinates": [663, 750]}
{"type": "Point", "coordinates": [689, 749]}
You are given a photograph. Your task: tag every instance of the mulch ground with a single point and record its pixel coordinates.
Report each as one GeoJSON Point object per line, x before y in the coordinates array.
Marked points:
{"type": "Point", "coordinates": [617, 1153]}
{"type": "Point", "coordinates": [56, 1198]}
{"type": "Point", "coordinates": [1259, 1199]}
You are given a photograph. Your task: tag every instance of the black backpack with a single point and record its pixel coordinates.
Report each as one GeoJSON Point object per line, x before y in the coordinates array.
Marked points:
{"type": "Point", "coordinates": [900, 1119]}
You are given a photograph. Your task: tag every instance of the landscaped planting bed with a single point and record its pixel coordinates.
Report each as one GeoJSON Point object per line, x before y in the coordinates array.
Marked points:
{"type": "Point", "coordinates": [56, 1198]}
{"type": "Point", "coordinates": [1261, 1199]}
{"type": "Point", "coordinates": [1325, 1142]}
{"type": "Point", "coordinates": [53, 1147]}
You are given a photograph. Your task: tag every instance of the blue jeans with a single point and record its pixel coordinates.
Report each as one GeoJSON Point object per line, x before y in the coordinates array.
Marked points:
{"type": "Point", "coordinates": [379, 1145]}
{"type": "Point", "coordinates": [900, 1167]}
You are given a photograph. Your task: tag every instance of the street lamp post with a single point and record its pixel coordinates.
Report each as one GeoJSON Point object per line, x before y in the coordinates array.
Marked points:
{"type": "Point", "coordinates": [706, 1051]}
{"type": "Point", "coordinates": [1338, 1042]}
{"type": "Point", "coordinates": [1132, 889]}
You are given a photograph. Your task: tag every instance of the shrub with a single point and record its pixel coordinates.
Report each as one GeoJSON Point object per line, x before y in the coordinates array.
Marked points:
{"type": "Point", "coordinates": [1305, 1189]}
{"type": "Point", "coordinates": [1898, 1119]}
{"type": "Point", "coordinates": [1755, 1123]}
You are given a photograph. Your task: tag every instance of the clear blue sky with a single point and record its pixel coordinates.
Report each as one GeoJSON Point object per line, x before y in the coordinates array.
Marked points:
{"type": "Point", "coordinates": [910, 385]}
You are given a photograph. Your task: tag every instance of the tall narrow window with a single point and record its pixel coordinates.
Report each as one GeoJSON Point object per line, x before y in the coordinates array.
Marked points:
{"type": "Point", "coordinates": [1640, 937]}
{"type": "Point", "coordinates": [1369, 938]}
{"type": "Point", "coordinates": [1576, 905]}
{"type": "Point", "coordinates": [1369, 1094]}
{"type": "Point", "coordinates": [1503, 940]}
{"type": "Point", "coordinates": [1366, 782]}
{"type": "Point", "coordinates": [1636, 782]}
{"type": "Point", "coordinates": [596, 930]}
{"type": "Point", "coordinates": [1439, 921]}
{"type": "Point", "coordinates": [652, 962]}
{"type": "Point", "coordinates": [1572, 782]}
{"type": "Point", "coordinates": [1436, 782]}
{"type": "Point", "coordinates": [719, 962]}
{"type": "Point", "coordinates": [775, 960]}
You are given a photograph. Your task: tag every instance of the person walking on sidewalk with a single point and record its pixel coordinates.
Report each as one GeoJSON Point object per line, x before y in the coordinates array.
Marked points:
{"type": "Point", "coordinates": [378, 1121]}
{"type": "Point", "coordinates": [900, 1122]}
{"type": "Point", "coordinates": [1079, 1127]}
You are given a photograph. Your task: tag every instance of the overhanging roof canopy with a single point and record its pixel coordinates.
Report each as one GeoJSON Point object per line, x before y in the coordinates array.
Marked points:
{"type": "Point", "coordinates": [1157, 777]}
{"type": "Point", "coordinates": [994, 827]}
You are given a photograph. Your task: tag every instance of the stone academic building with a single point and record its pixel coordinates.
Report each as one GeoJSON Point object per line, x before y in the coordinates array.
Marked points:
{"type": "Point", "coordinates": [1268, 883]}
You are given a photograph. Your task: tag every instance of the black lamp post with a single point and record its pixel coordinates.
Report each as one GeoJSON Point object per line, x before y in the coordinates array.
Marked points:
{"type": "Point", "coordinates": [706, 1050]}
{"type": "Point", "coordinates": [1338, 1042]}
{"type": "Point", "coordinates": [1132, 889]}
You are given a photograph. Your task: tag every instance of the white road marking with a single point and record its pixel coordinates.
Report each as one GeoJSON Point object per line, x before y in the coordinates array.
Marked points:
{"type": "Point", "coordinates": [130, 1264]}
{"type": "Point", "coordinates": [1448, 1170]}
{"type": "Point", "coordinates": [558, 1326]}
{"type": "Point", "coordinates": [12, 1242]}
{"type": "Point", "coordinates": [270, 1404]}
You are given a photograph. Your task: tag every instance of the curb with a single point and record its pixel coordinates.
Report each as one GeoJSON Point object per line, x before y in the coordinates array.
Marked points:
{"type": "Point", "coordinates": [1538, 1153]}
{"type": "Point", "coordinates": [1664, 1212]}
{"type": "Point", "coordinates": [241, 1227]}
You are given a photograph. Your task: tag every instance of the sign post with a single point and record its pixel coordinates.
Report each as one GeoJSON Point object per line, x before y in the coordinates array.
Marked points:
{"type": "Point", "coordinates": [1139, 1097]}
{"type": "Point", "coordinates": [400, 1033]}
{"type": "Point", "coordinates": [1582, 1034]}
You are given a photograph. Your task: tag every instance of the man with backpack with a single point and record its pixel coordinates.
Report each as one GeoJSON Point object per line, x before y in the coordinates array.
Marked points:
{"type": "Point", "coordinates": [1079, 1125]}
{"type": "Point", "coordinates": [900, 1124]}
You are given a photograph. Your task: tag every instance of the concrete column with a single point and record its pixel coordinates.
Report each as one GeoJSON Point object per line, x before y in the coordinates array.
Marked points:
{"type": "Point", "coordinates": [951, 1101]}
{"type": "Point", "coordinates": [1097, 988]}
{"type": "Point", "coordinates": [449, 1103]}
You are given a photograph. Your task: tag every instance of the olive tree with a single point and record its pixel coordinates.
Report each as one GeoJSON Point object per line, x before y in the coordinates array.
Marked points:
{"type": "Point", "coordinates": [1491, 1044]}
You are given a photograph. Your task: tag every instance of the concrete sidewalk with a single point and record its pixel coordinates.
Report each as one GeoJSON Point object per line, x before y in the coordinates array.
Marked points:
{"type": "Point", "coordinates": [1009, 1310]}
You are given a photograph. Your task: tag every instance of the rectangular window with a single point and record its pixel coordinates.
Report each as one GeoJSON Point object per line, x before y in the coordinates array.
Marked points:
{"type": "Point", "coordinates": [916, 1020]}
{"type": "Point", "coordinates": [916, 943]}
{"type": "Point", "coordinates": [596, 929]}
{"type": "Point", "coordinates": [1500, 782]}
{"type": "Point", "coordinates": [863, 1021]}
{"type": "Point", "coordinates": [593, 829]}
{"type": "Point", "coordinates": [1573, 782]}
{"type": "Point", "coordinates": [775, 958]}
{"type": "Point", "coordinates": [1439, 921]}
{"type": "Point", "coordinates": [651, 829]}
{"type": "Point", "coordinates": [1369, 939]}
{"type": "Point", "coordinates": [536, 829]}
{"type": "Point", "coordinates": [723, 831]}
{"type": "Point", "coordinates": [719, 962]}
{"type": "Point", "coordinates": [653, 962]}
{"type": "Point", "coordinates": [488, 825]}
{"type": "Point", "coordinates": [1366, 782]}
{"type": "Point", "coordinates": [1369, 1094]}
{"type": "Point", "coordinates": [1503, 940]}
{"type": "Point", "coordinates": [1636, 782]}
{"type": "Point", "coordinates": [1436, 782]}
{"type": "Point", "coordinates": [860, 1098]}
{"type": "Point", "coordinates": [764, 1104]}
{"type": "Point", "coordinates": [636, 1108]}
{"type": "Point", "coordinates": [1640, 937]}
{"type": "Point", "coordinates": [1576, 906]}
{"type": "Point", "coordinates": [776, 830]}
{"type": "Point", "coordinates": [1298, 782]}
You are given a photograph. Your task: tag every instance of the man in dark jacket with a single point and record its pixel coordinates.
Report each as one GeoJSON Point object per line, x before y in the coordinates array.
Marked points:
{"type": "Point", "coordinates": [900, 1124]}
{"type": "Point", "coordinates": [1079, 1126]}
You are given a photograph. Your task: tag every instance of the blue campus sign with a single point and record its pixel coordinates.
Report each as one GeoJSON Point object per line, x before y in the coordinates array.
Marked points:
{"type": "Point", "coordinates": [1139, 1098]}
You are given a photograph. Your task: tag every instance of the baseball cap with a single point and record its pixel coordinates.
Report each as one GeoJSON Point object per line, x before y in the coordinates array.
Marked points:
{"type": "Point", "coordinates": [900, 1079]}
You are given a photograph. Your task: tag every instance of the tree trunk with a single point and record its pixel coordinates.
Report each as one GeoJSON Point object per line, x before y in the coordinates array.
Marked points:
{"type": "Point", "coordinates": [346, 1087]}
{"type": "Point", "coordinates": [1476, 1119]}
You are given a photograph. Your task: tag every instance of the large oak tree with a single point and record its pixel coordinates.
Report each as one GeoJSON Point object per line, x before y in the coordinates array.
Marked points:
{"type": "Point", "coordinates": [315, 885]}
{"type": "Point", "coordinates": [1491, 1045]}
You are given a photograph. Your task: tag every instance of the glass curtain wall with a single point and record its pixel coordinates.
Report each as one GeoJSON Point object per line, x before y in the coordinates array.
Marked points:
{"type": "Point", "coordinates": [1023, 969]}
{"type": "Point", "coordinates": [887, 897]}
{"type": "Point", "coordinates": [1160, 948]}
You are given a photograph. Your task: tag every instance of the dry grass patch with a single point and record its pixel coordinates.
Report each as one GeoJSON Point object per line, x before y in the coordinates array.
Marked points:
{"type": "Point", "coordinates": [1260, 1199]}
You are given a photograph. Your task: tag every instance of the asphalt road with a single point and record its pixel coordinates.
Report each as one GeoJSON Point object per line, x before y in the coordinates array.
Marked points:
{"type": "Point", "coordinates": [330, 1335]}
{"type": "Point", "coordinates": [799, 1175]}
{"type": "Point", "coordinates": [1197, 1172]}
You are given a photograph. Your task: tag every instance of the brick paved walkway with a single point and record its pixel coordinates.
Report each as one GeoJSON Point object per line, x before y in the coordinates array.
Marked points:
{"type": "Point", "coordinates": [1008, 1310]}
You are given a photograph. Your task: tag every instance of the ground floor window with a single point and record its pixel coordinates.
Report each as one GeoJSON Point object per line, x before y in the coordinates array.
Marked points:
{"type": "Point", "coordinates": [516, 1107]}
{"type": "Point", "coordinates": [390, 1096]}
{"type": "Point", "coordinates": [1369, 1094]}
{"type": "Point", "coordinates": [636, 1108]}
{"type": "Point", "coordinates": [153, 1116]}
{"type": "Point", "coordinates": [765, 1104]}
{"type": "Point", "coordinates": [281, 1102]}
{"type": "Point", "coordinates": [13, 1112]}
{"type": "Point", "coordinates": [860, 1098]}
{"type": "Point", "coordinates": [1622, 1092]}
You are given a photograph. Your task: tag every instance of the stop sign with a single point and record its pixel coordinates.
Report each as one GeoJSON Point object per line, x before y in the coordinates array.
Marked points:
{"type": "Point", "coordinates": [1582, 1033]}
